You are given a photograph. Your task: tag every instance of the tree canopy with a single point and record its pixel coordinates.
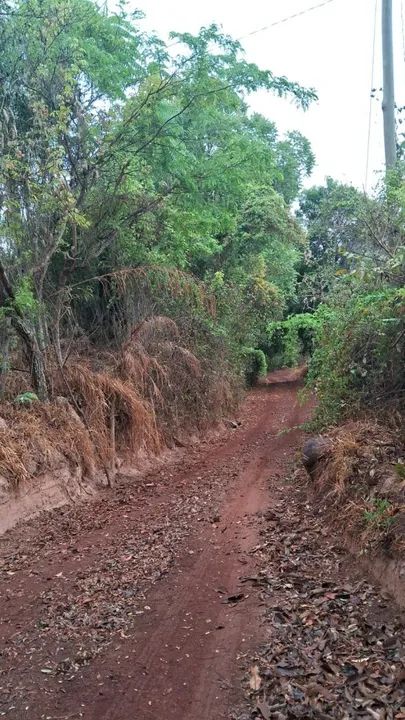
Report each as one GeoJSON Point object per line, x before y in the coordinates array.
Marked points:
{"type": "Point", "coordinates": [117, 153]}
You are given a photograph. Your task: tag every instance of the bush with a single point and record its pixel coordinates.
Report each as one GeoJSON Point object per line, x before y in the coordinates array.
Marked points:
{"type": "Point", "coordinates": [255, 364]}
{"type": "Point", "coordinates": [292, 339]}
{"type": "Point", "coordinates": [358, 361]}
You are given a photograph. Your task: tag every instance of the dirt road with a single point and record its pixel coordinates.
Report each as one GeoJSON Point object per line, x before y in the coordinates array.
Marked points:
{"type": "Point", "coordinates": [132, 606]}
{"type": "Point", "coordinates": [144, 604]}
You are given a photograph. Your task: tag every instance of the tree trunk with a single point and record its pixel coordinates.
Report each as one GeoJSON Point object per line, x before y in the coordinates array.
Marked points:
{"type": "Point", "coordinates": [32, 350]}
{"type": "Point", "coordinates": [56, 329]}
{"type": "Point", "coordinates": [34, 357]}
{"type": "Point", "coordinates": [4, 352]}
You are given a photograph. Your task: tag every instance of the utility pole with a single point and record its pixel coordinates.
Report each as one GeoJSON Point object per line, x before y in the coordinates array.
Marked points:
{"type": "Point", "coordinates": [388, 105]}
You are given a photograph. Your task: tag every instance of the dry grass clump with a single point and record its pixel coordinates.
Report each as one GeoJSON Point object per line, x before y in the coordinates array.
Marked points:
{"type": "Point", "coordinates": [358, 457]}
{"type": "Point", "coordinates": [101, 413]}
{"type": "Point", "coordinates": [40, 438]}
{"type": "Point", "coordinates": [137, 363]}
{"type": "Point", "coordinates": [181, 360]}
{"type": "Point", "coordinates": [146, 393]}
{"type": "Point", "coordinates": [108, 403]}
{"type": "Point", "coordinates": [153, 329]}
{"type": "Point", "coordinates": [362, 483]}
{"type": "Point", "coordinates": [186, 393]}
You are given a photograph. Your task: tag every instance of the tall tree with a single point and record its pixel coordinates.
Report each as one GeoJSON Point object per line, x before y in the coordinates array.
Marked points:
{"type": "Point", "coordinates": [116, 154]}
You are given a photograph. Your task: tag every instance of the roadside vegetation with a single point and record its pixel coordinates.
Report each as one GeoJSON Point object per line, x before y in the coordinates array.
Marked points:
{"type": "Point", "coordinates": [354, 336]}
{"type": "Point", "coordinates": [146, 225]}
{"type": "Point", "coordinates": [158, 251]}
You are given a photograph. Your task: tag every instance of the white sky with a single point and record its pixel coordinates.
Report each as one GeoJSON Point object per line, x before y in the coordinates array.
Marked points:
{"type": "Point", "coordinates": [329, 49]}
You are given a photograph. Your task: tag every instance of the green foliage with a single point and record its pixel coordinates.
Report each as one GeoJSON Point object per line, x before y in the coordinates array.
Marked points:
{"type": "Point", "coordinates": [118, 155]}
{"type": "Point", "coordinates": [380, 516]}
{"type": "Point", "coordinates": [255, 364]}
{"type": "Point", "coordinates": [337, 239]}
{"type": "Point", "coordinates": [295, 161]}
{"type": "Point", "coordinates": [24, 299]}
{"type": "Point", "coordinates": [400, 470]}
{"type": "Point", "coordinates": [359, 354]}
{"type": "Point", "coordinates": [352, 278]}
{"type": "Point", "coordinates": [267, 229]}
{"type": "Point", "coordinates": [292, 339]}
{"type": "Point", "coordinates": [350, 233]}
{"type": "Point", "coordinates": [134, 180]}
{"type": "Point", "coordinates": [26, 398]}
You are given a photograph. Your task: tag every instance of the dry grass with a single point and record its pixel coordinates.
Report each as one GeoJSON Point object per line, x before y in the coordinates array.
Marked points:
{"type": "Point", "coordinates": [153, 329]}
{"type": "Point", "coordinates": [40, 438]}
{"type": "Point", "coordinates": [137, 398]}
{"type": "Point", "coordinates": [359, 452]}
{"type": "Point", "coordinates": [360, 484]}
{"type": "Point", "coordinates": [184, 392]}
{"type": "Point", "coordinates": [97, 396]}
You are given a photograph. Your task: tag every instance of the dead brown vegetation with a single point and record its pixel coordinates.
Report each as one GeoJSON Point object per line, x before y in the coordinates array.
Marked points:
{"type": "Point", "coordinates": [137, 398]}
{"type": "Point", "coordinates": [361, 481]}
{"type": "Point", "coordinates": [40, 438]}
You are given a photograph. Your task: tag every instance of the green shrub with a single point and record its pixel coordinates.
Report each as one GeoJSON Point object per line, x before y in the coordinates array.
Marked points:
{"type": "Point", "coordinates": [358, 361]}
{"type": "Point", "coordinates": [380, 514]}
{"type": "Point", "coordinates": [26, 398]}
{"type": "Point", "coordinates": [255, 364]}
{"type": "Point", "coordinates": [291, 339]}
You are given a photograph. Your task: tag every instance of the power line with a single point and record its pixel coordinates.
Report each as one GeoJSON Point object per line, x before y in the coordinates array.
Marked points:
{"type": "Point", "coordinates": [370, 112]}
{"type": "Point", "coordinates": [277, 22]}
{"type": "Point", "coordinates": [288, 18]}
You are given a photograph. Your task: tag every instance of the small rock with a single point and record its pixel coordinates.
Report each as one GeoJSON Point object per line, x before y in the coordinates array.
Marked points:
{"type": "Point", "coordinates": [314, 449]}
{"type": "Point", "coordinates": [231, 424]}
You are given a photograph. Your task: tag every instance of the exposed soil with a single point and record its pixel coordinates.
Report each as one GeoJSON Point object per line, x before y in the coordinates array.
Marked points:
{"type": "Point", "coordinates": [136, 605]}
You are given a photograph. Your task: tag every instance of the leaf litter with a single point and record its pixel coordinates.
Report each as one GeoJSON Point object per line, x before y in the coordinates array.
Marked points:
{"type": "Point", "coordinates": [333, 646]}
{"type": "Point", "coordinates": [102, 591]}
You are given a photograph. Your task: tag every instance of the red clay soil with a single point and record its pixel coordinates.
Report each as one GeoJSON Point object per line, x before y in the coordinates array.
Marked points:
{"type": "Point", "coordinates": [133, 606]}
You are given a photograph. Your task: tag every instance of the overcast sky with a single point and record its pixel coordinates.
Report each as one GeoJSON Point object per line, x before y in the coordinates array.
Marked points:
{"type": "Point", "coordinates": [329, 49]}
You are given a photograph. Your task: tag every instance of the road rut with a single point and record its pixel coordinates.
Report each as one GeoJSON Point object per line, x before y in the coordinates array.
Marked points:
{"type": "Point", "coordinates": [86, 635]}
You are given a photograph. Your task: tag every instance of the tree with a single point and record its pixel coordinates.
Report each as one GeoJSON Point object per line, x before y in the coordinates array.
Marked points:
{"type": "Point", "coordinates": [117, 155]}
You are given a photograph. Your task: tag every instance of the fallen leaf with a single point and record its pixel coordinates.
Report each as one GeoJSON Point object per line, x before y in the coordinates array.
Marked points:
{"type": "Point", "coordinates": [233, 599]}
{"type": "Point", "coordinates": [264, 709]}
{"type": "Point", "coordinates": [255, 679]}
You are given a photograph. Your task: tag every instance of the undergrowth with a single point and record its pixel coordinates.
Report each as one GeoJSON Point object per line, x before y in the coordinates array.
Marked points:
{"type": "Point", "coordinates": [137, 398]}
{"type": "Point", "coordinates": [358, 364]}
{"type": "Point", "coordinates": [292, 340]}
{"type": "Point", "coordinates": [255, 364]}
{"type": "Point", "coordinates": [380, 515]}
{"type": "Point", "coordinates": [358, 482]}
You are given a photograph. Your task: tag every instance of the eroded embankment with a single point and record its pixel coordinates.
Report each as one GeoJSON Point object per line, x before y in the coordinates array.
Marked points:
{"type": "Point", "coordinates": [107, 409]}
{"type": "Point", "coordinates": [357, 484]}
